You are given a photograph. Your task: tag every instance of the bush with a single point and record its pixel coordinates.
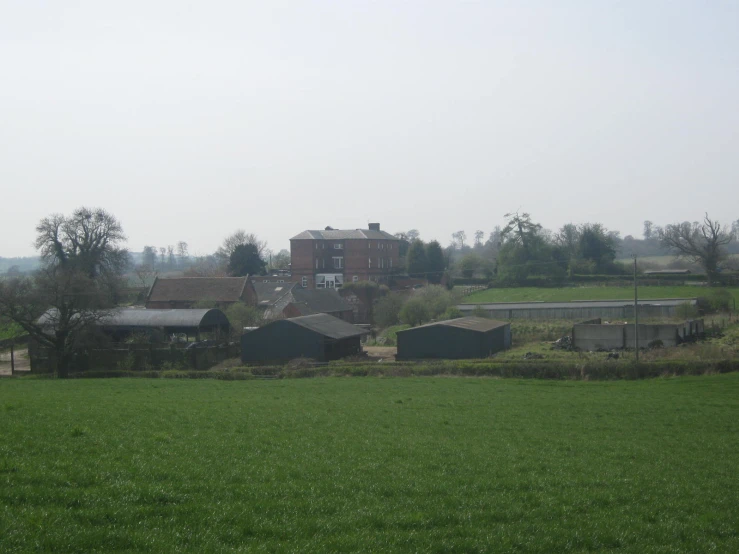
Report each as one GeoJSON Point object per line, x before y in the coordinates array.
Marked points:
{"type": "Point", "coordinates": [452, 312]}
{"type": "Point", "coordinates": [387, 310]}
{"type": "Point", "coordinates": [240, 315]}
{"type": "Point", "coordinates": [686, 311]}
{"type": "Point", "coordinates": [415, 312]}
{"type": "Point", "coordinates": [719, 300]}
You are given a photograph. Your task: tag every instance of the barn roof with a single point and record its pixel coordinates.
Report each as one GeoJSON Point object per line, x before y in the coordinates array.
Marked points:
{"type": "Point", "coordinates": [319, 301]}
{"type": "Point", "coordinates": [139, 318]}
{"type": "Point", "coordinates": [342, 234]}
{"type": "Point", "coordinates": [194, 289]}
{"type": "Point", "coordinates": [327, 325]}
{"type": "Point", "coordinates": [269, 293]}
{"type": "Point", "coordinates": [477, 324]}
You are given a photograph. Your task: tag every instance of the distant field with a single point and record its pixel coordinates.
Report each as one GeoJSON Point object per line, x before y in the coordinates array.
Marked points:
{"type": "Point", "coordinates": [372, 465]}
{"type": "Point", "coordinates": [531, 294]}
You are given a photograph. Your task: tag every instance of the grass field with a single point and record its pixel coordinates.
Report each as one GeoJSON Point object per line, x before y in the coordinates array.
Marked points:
{"type": "Point", "coordinates": [566, 294]}
{"type": "Point", "coordinates": [382, 465]}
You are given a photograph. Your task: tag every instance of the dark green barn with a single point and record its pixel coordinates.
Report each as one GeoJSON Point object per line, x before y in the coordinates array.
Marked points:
{"type": "Point", "coordinates": [321, 337]}
{"type": "Point", "coordinates": [465, 337]}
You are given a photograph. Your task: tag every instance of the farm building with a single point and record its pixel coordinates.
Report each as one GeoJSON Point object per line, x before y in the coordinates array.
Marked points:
{"type": "Point", "coordinates": [186, 292]}
{"type": "Point", "coordinates": [615, 336]}
{"type": "Point", "coordinates": [581, 309]}
{"type": "Point", "coordinates": [291, 300]}
{"type": "Point", "coordinates": [465, 337]}
{"type": "Point", "coordinates": [123, 321]}
{"type": "Point", "coordinates": [321, 337]}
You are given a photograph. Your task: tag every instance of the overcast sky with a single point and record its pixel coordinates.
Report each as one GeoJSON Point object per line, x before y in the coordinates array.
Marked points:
{"type": "Point", "coordinates": [188, 120]}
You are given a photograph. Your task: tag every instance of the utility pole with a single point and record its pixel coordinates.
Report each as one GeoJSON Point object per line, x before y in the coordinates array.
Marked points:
{"type": "Point", "coordinates": [636, 315]}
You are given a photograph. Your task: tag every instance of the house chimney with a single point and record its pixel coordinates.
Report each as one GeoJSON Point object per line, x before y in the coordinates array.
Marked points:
{"type": "Point", "coordinates": [374, 226]}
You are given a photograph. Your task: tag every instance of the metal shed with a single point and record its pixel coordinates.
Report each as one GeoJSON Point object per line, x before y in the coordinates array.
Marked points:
{"type": "Point", "coordinates": [321, 337]}
{"type": "Point", "coordinates": [123, 321]}
{"type": "Point", "coordinates": [465, 337]}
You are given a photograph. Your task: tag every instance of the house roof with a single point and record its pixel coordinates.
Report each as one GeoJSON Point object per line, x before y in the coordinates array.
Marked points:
{"type": "Point", "coordinates": [325, 301]}
{"type": "Point", "coordinates": [193, 289]}
{"type": "Point", "coordinates": [269, 293]}
{"type": "Point", "coordinates": [140, 318]}
{"type": "Point", "coordinates": [339, 234]}
{"type": "Point", "coordinates": [327, 325]}
{"type": "Point", "coordinates": [477, 324]}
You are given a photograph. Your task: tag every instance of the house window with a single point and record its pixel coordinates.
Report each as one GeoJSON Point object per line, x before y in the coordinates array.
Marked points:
{"type": "Point", "coordinates": [391, 263]}
{"type": "Point", "coordinates": [316, 263]}
{"type": "Point", "coordinates": [316, 246]}
{"type": "Point", "coordinates": [382, 246]}
{"type": "Point", "coordinates": [265, 281]}
{"type": "Point", "coordinates": [370, 262]}
{"type": "Point", "coordinates": [338, 262]}
{"type": "Point", "coordinates": [304, 282]}
{"type": "Point", "coordinates": [369, 244]}
{"type": "Point", "coordinates": [355, 279]}
{"type": "Point", "coordinates": [338, 246]}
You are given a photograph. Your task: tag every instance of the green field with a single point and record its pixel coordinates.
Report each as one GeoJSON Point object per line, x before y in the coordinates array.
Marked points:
{"type": "Point", "coordinates": [566, 294]}
{"type": "Point", "coordinates": [374, 465]}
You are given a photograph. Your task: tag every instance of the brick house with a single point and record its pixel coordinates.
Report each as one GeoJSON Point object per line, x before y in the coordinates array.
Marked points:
{"type": "Point", "coordinates": [332, 257]}
{"type": "Point", "coordinates": [186, 292]}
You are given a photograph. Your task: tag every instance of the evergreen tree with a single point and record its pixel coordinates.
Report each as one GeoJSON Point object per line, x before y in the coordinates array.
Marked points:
{"type": "Point", "coordinates": [416, 261]}
{"type": "Point", "coordinates": [436, 263]}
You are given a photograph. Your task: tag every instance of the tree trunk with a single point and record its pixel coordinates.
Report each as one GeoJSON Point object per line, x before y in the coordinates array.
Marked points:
{"type": "Point", "coordinates": [62, 358]}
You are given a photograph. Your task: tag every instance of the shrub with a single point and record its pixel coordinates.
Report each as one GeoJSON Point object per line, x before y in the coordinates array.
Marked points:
{"type": "Point", "coordinates": [415, 312]}
{"type": "Point", "coordinates": [452, 312]}
{"type": "Point", "coordinates": [387, 310]}
{"type": "Point", "coordinates": [719, 300]}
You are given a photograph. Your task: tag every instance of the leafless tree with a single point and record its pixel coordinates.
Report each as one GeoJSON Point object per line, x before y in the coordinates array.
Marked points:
{"type": "Point", "coordinates": [458, 239]}
{"type": "Point", "coordinates": [89, 241]}
{"type": "Point", "coordinates": [57, 307]}
{"type": "Point", "coordinates": [238, 238]}
{"type": "Point", "coordinates": [182, 252]}
{"type": "Point", "coordinates": [702, 243]}
{"type": "Point", "coordinates": [207, 266]}
{"type": "Point", "coordinates": [144, 273]}
{"type": "Point", "coordinates": [648, 230]}
{"type": "Point", "coordinates": [171, 261]}
{"type": "Point", "coordinates": [162, 255]}
{"type": "Point", "coordinates": [479, 236]}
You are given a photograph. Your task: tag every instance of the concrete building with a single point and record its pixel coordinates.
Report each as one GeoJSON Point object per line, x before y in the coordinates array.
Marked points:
{"type": "Point", "coordinates": [320, 337]}
{"type": "Point", "coordinates": [332, 257]}
{"type": "Point", "coordinates": [580, 310]}
{"type": "Point", "coordinates": [186, 292]}
{"type": "Point", "coordinates": [596, 336]}
{"type": "Point", "coordinates": [465, 337]}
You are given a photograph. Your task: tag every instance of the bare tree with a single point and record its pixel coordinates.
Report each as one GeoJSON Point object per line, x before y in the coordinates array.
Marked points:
{"type": "Point", "coordinates": [479, 236]}
{"type": "Point", "coordinates": [144, 273]}
{"type": "Point", "coordinates": [648, 230]}
{"type": "Point", "coordinates": [149, 256]}
{"type": "Point", "coordinates": [207, 266]}
{"type": "Point", "coordinates": [238, 238]}
{"type": "Point", "coordinates": [182, 252]}
{"type": "Point", "coordinates": [702, 243]}
{"type": "Point", "coordinates": [171, 260]}
{"type": "Point", "coordinates": [162, 255]}
{"type": "Point", "coordinates": [458, 239]}
{"type": "Point", "coordinates": [89, 241]}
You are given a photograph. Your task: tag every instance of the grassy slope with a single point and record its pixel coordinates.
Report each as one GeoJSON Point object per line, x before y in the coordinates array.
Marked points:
{"type": "Point", "coordinates": [446, 465]}
{"type": "Point", "coordinates": [529, 294]}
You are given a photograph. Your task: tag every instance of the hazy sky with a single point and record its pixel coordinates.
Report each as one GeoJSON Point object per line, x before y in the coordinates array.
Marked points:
{"type": "Point", "coordinates": [188, 120]}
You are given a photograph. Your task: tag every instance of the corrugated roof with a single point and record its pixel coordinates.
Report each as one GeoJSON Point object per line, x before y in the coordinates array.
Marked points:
{"type": "Point", "coordinates": [575, 304]}
{"type": "Point", "coordinates": [343, 234]}
{"type": "Point", "coordinates": [194, 289]}
{"type": "Point", "coordinates": [478, 324]}
{"type": "Point", "coordinates": [328, 325]}
{"type": "Point", "coordinates": [136, 317]}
